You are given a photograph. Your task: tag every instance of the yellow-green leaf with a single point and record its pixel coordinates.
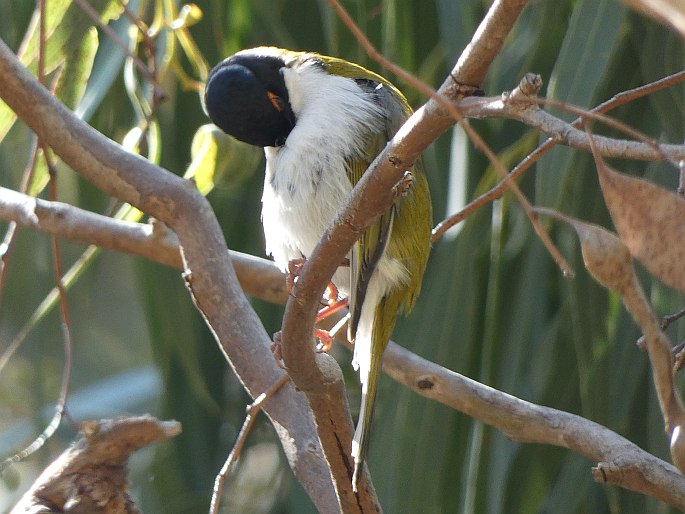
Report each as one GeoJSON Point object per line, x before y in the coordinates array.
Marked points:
{"type": "Point", "coordinates": [218, 159]}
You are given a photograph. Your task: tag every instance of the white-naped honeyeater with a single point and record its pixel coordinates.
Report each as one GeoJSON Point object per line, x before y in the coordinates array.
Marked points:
{"type": "Point", "coordinates": [322, 121]}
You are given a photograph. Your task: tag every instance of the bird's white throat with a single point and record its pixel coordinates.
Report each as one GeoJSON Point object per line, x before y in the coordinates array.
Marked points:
{"type": "Point", "coordinates": [306, 181]}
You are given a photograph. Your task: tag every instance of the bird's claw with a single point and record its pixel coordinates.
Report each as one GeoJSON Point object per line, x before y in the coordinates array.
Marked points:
{"type": "Point", "coordinates": [325, 340]}
{"type": "Point", "coordinates": [404, 185]}
{"type": "Point", "coordinates": [294, 268]}
{"type": "Point", "coordinates": [277, 350]}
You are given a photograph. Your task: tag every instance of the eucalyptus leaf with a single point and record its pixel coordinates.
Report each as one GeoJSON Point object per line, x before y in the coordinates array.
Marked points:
{"type": "Point", "coordinates": [649, 221]}
{"type": "Point", "coordinates": [106, 65]}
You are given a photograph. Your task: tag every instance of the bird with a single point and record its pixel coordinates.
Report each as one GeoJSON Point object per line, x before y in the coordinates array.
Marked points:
{"type": "Point", "coordinates": [321, 121]}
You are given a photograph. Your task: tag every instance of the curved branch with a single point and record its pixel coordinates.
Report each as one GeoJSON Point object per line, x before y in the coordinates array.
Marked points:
{"type": "Point", "coordinates": [207, 267]}
{"type": "Point", "coordinates": [620, 462]}
{"type": "Point", "coordinates": [373, 195]}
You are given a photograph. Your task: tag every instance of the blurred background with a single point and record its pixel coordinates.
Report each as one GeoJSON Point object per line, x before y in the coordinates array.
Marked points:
{"type": "Point", "coordinates": [494, 306]}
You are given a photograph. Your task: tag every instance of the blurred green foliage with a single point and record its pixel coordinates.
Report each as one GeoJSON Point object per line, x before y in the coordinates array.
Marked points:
{"type": "Point", "coordinates": [493, 307]}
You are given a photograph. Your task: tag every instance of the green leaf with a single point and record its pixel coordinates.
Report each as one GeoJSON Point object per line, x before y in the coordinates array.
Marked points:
{"type": "Point", "coordinates": [106, 66]}
{"type": "Point", "coordinates": [77, 69]}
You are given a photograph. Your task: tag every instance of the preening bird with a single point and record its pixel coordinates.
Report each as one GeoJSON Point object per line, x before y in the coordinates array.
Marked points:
{"type": "Point", "coordinates": [322, 121]}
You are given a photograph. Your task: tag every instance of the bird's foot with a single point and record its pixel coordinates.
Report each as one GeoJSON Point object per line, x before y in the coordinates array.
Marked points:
{"type": "Point", "coordinates": [332, 304]}
{"type": "Point", "coordinates": [325, 340]}
{"type": "Point", "coordinates": [331, 294]}
{"type": "Point", "coordinates": [326, 337]}
{"type": "Point", "coordinates": [294, 268]}
{"type": "Point", "coordinates": [277, 350]}
{"type": "Point", "coordinates": [331, 309]}
{"type": "Point", "coordinates": [404, 185]}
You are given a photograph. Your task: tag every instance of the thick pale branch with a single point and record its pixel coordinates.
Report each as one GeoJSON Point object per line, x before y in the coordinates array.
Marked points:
{"type": "Point", "coordinates": [154, 241]}
{"type": "Point", "coordinates": [207, 267]}
{"type": "Point", "coordinates": [620, 462]}
{"type": "Point", "coordinates": [81, 226]}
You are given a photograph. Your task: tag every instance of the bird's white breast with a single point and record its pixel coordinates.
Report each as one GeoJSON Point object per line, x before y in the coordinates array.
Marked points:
{"type": "Point", "coordinates": [306, 181]}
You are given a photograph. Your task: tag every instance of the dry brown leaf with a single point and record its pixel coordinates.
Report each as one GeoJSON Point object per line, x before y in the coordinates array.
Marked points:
{"type": "Point", "coordinates": [669, 12]}
{"type": "Point", "coordinates": [605, 256]}
{"type": "Point", "coordinates": [608, 260]}
{"type": "Point", "coordinates": [650, 221]}
{"type": "Point", "coordinates": [610, 263]}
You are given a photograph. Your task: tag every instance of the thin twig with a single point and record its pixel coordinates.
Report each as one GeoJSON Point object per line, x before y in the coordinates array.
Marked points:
{"type": "Point", "coordinates": [60, 407]}
{"type": "Point", "coordinates": [56, 249]}
{"type": "Point", "coordinates": [496, 192]}
{"type": "Point", "coordinates": [63, 305]}
{"type": "Point", "coordinates": [135, 20]}
{"type": "Point", "coordinates": [454, 111]}
{"type": "Point", "coordinates": [92, 13]}
{"type": "Point", "coordinates": [7, 245]}
{"type": "Point", "coordinates": [584, 114]}
{"type": "Point", "coordinates": [670, 318]}
{"type": "Point", "coordinates": [252, 411]}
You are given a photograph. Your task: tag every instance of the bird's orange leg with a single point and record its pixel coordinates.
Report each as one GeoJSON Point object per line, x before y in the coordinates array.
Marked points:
{"type": "Point", "coordinates": [331, 309]}
{"type": "Point", "coordinates": [326, 337]}
{"type": "Point", "coordinates": [277, 350]}
{"type": "Point", "coordinates": [333, 304]}
{"type": "Point", "coordinates": [294, 267]}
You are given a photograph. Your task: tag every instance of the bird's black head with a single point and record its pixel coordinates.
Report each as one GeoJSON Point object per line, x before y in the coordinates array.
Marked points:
{"type": "Point", "coordinates": [246, 97]}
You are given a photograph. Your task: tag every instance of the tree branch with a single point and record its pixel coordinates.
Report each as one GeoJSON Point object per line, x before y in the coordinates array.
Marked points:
{"type": "Point", "coordinates": [91, 475]}
{"type": "Point", "coordinates": [620, 462]}
{"type": "Point", "coordinates": [563, 132]}
{"type": "Point", "coordinates": [207, 267]}
{"type": "Point", "coordinates": [313, 373]}
{"type": "Point", "coordinates": [154, 241]}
